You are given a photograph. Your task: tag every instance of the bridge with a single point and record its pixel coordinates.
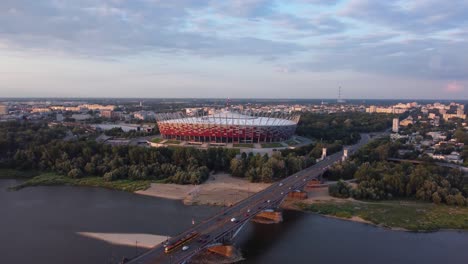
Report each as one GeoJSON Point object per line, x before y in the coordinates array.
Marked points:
{"type": "Point", "coordinates": [224, 227]}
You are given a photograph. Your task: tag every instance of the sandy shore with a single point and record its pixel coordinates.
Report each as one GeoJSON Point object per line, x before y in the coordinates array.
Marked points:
{"type": "Point", "coordinates": [218, 190]}
{"type": "Point", "coordinates": [142, 240]}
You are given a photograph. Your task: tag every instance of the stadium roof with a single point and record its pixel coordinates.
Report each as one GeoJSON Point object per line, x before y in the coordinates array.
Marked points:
{"type": "Point", "coordinates": [231, 118]}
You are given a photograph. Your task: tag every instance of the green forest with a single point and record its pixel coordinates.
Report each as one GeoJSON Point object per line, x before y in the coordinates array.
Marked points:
{"type": "Point", "coordinates": [378, 179]}
{"type": "Point", "coordinates": [342, 127]}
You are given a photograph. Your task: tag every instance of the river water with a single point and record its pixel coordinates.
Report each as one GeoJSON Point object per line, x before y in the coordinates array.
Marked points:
{"type": "Point", "coordinates": [40, 225]}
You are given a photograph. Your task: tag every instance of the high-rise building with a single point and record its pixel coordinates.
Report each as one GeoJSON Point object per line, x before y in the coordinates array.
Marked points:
{"type": "Point", "coordinates": [3, 109]}
{"type": "Point", "coordinates": [396, 125]}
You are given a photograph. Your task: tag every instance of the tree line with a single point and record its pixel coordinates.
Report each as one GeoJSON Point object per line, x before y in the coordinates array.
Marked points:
{"type": "Point", "coordinates": [28, 146]}
{"type": "Point", "coordinates": [342, 127]}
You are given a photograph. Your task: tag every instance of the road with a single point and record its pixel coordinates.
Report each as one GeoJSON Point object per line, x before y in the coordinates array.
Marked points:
{"type": "Point", "coordinates": [230, 220]}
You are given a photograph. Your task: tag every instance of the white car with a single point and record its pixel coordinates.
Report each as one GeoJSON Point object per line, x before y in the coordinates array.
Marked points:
{"type": "Point", "coordinates": [281, 184]}
{"type": "Point", "coordinates": [233, 220]}
{"type": "Point", "coordinates": [184, 248]}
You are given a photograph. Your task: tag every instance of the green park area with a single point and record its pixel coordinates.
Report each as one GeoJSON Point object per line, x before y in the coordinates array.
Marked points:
{"type": "Point", "coordinates": [409, 215]}
{"type": "Point", "coordinates": [272, 145]}
{"type": "Point", "coordinates": [173, 142]}
{"type": "Point", "coordinates": [291, 142]}
{"type": "Point", "coordinates": [157, 140]}
{"type": "Point", "coordinates": [243, 145]}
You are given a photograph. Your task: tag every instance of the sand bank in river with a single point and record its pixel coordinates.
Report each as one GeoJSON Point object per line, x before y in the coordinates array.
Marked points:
{"type": "Point", "coordinates": [142, 240]}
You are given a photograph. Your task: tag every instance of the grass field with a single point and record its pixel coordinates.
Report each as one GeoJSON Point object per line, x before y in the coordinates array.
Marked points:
{"type": "Point", "coordinates": [272, 145]}
{"type": "Point", "coordinates": [291, 142]}
{"type": "Point", "coordinates": [413, 216]}
{"type": "Point", "coordinates": [157, 140]}
{"type": "Point", "coordinates": [49, 179]}
{"type": "Point", "coordinates": [243, 145]}
{"type": "Point", "coordinates": [174, 142]}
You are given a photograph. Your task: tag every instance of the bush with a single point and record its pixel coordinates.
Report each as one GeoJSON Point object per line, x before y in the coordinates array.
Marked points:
{"type": "Point", "coordinates": [450, 199]}
{"type": "Point", "coordinates": [341, 189]}
{"type": "Point", "coordinates": [75, 174]}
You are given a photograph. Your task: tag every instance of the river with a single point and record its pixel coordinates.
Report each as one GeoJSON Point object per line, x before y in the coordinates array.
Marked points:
{"type": "Point", "coordinates": [41, 225]}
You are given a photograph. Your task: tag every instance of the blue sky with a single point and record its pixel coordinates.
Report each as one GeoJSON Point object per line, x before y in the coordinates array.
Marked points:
{"type": "Point", "coordinates": [237, 49]}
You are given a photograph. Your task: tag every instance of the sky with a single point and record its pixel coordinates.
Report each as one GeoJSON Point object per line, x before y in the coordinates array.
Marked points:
{"type": "Point", "coordinates": [373, 49]}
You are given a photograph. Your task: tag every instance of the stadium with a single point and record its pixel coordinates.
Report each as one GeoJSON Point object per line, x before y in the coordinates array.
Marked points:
{"type": "Point", "coordinates": [227, 126]}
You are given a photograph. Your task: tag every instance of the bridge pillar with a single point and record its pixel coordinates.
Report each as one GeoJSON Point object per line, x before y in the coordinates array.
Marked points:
{"type": "Point", "coordinates": [297, 195]}
{"type": "Point", "coordinates": [268, 217]}
{"type": "Point", "coordinates": [218, 254]}
{"type": "Point", "coordinates": [223, 250]}
{"type": "Point", "coordinates": [324, 153]}
{"type": "Point", "coordinates": [345, 154]}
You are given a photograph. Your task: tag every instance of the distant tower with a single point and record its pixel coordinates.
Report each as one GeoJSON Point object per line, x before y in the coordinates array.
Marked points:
{"type": "Point", "coordinates": [141, 104]}
{"type": "Point", "coordinates": [340, 100]}
{"type": "Point", "coordinates": [228, 102]}
{"type": "Point", "coordinates": [396, 125]}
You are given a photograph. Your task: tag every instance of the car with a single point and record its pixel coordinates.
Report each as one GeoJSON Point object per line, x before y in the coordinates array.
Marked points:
{"type": "Point", "coordinates": [233, 219]}
{"type": "Point", "coordinates": [248, 210]}
{"type": "Point", "coordinates": [184, 248]}
{"type": "Point", "coordinates": [281, 184]}
{"type": "Point", "coordinates": [282, 193]}
{"type": "Point", "coordinates": [289, 188]}
{"type": "Point", "coordinates": [268, 201]}
{"type": "Point", "coordinates": [247, 214]}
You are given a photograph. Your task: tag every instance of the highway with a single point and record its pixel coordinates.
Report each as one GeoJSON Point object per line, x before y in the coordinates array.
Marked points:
{"type": "Point", "coordinates": [218, 226]}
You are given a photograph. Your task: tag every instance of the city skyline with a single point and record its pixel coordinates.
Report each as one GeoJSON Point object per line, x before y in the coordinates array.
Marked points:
{"type": "Point", "coordinates": [237, 49]}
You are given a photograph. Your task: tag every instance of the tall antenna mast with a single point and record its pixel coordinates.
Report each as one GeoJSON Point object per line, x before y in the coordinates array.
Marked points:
{"type": "Point", "coordinates": [340, 100]}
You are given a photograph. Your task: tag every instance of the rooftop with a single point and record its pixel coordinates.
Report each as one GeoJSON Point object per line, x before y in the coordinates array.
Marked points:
{"type": "Point", "coordinates": [232, 118]}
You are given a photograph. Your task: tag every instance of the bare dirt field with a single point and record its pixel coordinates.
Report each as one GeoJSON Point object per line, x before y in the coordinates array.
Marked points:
{"type": "Point", "coordinates": [220, 189]}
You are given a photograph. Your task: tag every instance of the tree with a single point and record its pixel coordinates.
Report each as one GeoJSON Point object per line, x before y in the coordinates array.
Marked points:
{"type": "Point", "coordinates": [341, 189]}
{"type": "Point", "coordinates": [266, 174]}
{"type": "Point", "coordinates": [451, 200]}
{"type": "Point", "coordinates": [436, 198]}
{"type": "Point", "coordinates": [460, 200]}
{"type": "Point", "coordinates": [75, 173]}
{"type": "Point", "coordinates": [237, 167]}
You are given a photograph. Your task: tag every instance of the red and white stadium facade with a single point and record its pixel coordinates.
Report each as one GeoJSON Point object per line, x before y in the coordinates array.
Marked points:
{"type": "Point", "coordinates": [228, 126]}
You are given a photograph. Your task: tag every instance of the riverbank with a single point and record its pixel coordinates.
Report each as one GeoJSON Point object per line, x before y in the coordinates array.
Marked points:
{"type": "Point", "coordinates": [220, 189]}
{"type": "Point", "coordinates": [50, 179]}
{"type": "Point", "coordinates": [396, 215]}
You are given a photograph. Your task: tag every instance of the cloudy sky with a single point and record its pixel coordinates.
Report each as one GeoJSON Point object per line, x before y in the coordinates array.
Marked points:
{"type": "Point", "coordinates": [237, 48]}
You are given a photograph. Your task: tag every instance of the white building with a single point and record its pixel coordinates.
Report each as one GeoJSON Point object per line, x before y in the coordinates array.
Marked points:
{"type": "Point", "coordinates": [396, 125]}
